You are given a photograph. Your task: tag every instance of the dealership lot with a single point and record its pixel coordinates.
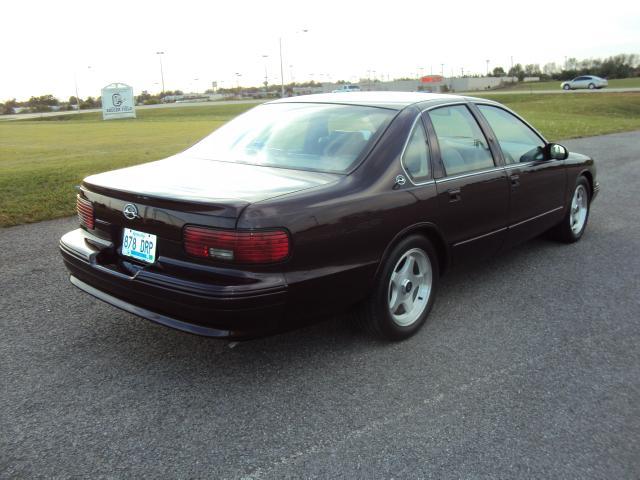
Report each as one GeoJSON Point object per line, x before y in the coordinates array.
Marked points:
{"type": "Point", "coordinates": [528, 366]}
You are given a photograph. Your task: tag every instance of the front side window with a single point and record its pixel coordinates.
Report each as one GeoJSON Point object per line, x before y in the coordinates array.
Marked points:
{"type": "Point", "coordinates": [306, 136]}
{"type": "Point", "coordinates": [518, 142]}
{"type": "Point", "coordinates": [463, 146]}
{"type": "Point", "coordinates": [416, 154]}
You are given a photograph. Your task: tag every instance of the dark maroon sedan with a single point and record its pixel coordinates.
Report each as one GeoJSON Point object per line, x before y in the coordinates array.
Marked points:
{"type": "Point", "coordinates": [306, 206]}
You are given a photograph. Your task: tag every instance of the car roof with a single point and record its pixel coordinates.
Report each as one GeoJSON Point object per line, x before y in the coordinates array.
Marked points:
{"type": "Point", "coordinates": [392, 100]}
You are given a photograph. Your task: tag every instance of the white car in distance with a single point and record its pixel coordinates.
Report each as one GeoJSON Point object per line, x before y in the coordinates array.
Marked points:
{"type": "Point", "coordinates": [585, 81]}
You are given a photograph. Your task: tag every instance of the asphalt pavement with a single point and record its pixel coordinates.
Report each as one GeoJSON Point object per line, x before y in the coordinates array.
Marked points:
{"type": "Point", "coordinates": [528, 367]}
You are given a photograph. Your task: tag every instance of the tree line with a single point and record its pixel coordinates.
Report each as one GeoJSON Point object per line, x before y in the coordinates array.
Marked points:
{"type": "Point", "coordinates": [47, 103]}
{"type": "Point", "coordinates": [616, 66]}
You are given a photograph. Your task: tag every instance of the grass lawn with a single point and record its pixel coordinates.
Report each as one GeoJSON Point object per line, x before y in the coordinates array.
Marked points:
{"type": "Point", "coordinates": [555, 84]}
{"type": "Point", "coordinates": [560, 117]}
{"type": "Point", "coordinates": [42, 160]}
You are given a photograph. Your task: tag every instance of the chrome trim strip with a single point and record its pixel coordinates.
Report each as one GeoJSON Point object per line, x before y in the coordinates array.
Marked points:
{"type": "Point", "coordinates": [537, 216]}
{"type": "Point", "coordinates": [519, 165]}
{"type": "Point", "coordinates": [479, 237]}
{"type": "Point", "coordinates": [505, 228]}
{"type": "Point", "coordinates": [470, 174]}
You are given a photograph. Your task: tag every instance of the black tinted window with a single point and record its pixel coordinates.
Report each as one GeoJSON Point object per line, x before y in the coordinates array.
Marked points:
{"type": "Point", "coordinates": [463, 146]}
{"type": "Point", "coordinates": [518, 142]}
{"type": "Point", "coordinates": [416, 154]}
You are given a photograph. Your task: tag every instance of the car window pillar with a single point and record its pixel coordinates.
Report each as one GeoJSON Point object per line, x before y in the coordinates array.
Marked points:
{"type": "Point", "coordinates": [494, 146]}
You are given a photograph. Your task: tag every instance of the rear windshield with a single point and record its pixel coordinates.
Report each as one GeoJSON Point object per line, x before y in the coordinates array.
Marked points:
{"type": "Point", "coordinates": [305, 136]}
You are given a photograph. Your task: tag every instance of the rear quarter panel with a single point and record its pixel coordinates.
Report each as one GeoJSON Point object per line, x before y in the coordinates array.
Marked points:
{"type": "Point", "coordinates": [340, 232]}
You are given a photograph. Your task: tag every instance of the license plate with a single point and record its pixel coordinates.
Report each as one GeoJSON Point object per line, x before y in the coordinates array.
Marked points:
{"type": "Point", "coordinates": [139, 245]}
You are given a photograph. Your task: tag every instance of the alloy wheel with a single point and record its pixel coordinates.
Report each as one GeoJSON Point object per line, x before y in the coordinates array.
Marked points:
{"type": "Point", "coordinates": [410, 287]}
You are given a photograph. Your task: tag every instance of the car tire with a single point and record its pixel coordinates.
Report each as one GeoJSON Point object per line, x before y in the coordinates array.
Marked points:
{"type": "Point", "coordinates": [591, 86]}
{"type": "Point", "coordinates": [574, 223]}
{"type": "Point", "coordinates": [404, 291]}
{"type": "Point", "coordinates": [566, 87]}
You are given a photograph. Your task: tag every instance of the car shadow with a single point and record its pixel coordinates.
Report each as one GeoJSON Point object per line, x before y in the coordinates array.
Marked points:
{"type": "Point", "coordinates": [137, 344]}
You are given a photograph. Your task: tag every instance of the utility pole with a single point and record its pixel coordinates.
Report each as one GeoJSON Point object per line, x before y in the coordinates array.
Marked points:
{"type": "Point", "coordinates": [442, 70]}
{"type": "Point", "coordinates": [487, 67]}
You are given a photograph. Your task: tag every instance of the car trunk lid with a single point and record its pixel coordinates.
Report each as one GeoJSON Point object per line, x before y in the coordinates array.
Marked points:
{"type": "Point", "coordinates": [226, 187]}
{"type": "Point", "coordinates": [182, 190]}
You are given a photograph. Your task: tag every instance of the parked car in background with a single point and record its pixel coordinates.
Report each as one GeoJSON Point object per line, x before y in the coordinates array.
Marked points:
{"type": "Point", "coordinates": [347, 88]}
{"type": "Point", "coordinates": [307, 206]}
{"type": "Point", "coordinates": [585, 81]}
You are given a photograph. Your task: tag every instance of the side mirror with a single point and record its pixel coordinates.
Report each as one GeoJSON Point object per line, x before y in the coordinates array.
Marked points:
{"type": "Point", "coordinates": [555, 151]}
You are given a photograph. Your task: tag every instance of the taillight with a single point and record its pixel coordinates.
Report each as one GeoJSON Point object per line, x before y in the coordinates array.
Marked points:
{"type": "Point", "coordinates": [85, 212]}
{"type": "Point", "coordinates": [259, 246]}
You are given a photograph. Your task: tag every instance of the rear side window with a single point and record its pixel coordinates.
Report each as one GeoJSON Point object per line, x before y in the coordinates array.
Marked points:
{"type": "Point", "coordinates": [518, 142]}
{"type": "Point", "coordinates": [463, 146]}
{"type": "Point", "coordinates": [416, 154]}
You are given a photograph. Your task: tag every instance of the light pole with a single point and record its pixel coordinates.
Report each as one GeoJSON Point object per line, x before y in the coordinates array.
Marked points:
{"type": "Point", "coordinates": [238, 75]}
{"type": "Point", "coordinates": [75, 80]}
{"type": "Point", "coordinates": [281, 71]}
{"type": "Point", "coordinates": [487, 67]}
{"type": "Point", "coordinates": [281, 67]}
{"type": "Point", "coordinates": [442, 70]}
{"type": "Point", "coordinates": [161, 72]}
{"type": "Point", "coordinates": [266, 81]}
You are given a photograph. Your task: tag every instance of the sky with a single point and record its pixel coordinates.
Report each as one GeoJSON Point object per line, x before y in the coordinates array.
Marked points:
{"type": "Point", "coordinates": [49, 47]}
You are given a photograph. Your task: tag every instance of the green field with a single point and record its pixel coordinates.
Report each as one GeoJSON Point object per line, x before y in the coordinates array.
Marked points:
{"type": "Point", "coordinates": [555, 85]}
{"type": "Point", "coordinates": [42, 160]}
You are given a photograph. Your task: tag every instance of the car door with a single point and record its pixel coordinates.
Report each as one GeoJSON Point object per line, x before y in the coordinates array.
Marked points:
{"type": "Point", "coordinates": [579, 82]}
{"type": "Point", "coordinates": [537, 183]}
{"type": "Point", "coordinates": [472, 189]}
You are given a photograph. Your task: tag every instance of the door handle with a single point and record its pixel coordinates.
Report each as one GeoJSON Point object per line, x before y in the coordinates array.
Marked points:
{"type": "Point", "coordinates": [454, 195]}
{"type": "Point", "coordinates": [515, 181]}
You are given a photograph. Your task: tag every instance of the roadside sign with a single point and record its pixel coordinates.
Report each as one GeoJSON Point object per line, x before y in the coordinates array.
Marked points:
{"type": "Point", "coordinates": [432, 79]}
{"type": "Point", "coordinates": [118, 101]}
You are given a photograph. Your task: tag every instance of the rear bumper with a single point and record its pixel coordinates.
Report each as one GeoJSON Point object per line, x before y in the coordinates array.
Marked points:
{"type": "Point", "coordinates": [217, 308]}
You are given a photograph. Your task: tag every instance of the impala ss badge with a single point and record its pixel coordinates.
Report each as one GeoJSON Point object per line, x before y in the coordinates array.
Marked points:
{"type": "Point", "coordinates": [130, 211]}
